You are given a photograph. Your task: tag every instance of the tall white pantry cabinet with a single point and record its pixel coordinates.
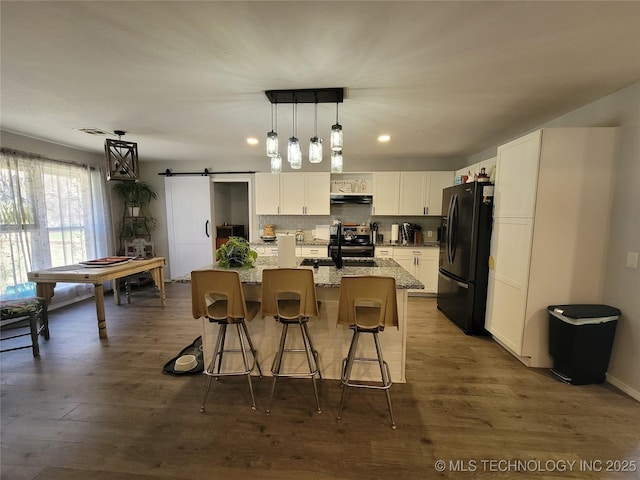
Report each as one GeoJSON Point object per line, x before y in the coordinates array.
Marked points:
{"type": "Point", "coordinates": [552, 204]}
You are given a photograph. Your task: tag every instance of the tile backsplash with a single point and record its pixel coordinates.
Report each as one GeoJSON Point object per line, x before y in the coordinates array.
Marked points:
{"type": "Point", "coordinates": [360, 214]}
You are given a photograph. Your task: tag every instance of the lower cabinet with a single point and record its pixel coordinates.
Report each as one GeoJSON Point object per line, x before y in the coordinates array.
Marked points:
{"type": "Point", "coordinates": [266, 250]}
{"type": "Point", "coordinates": [313, 252]}
{"type": "Point", "coordinates": [422, 263]}
{"type": "Point", "coordinates": [384, 252]}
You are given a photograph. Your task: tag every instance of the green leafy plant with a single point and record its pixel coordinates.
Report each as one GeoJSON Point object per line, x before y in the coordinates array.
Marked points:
{"type": "Point", "coordinates": [139, 193]}
{"type": "Point", "coordinates": [236, 253]}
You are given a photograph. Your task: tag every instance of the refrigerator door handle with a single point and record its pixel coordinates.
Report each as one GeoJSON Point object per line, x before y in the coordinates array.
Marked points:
{"type": "Point", "coordinates": [447, 240]}
{"type": "Point", "coordinates": [449, 279]}
{"type": "Point", "coordinates": [452, 225]}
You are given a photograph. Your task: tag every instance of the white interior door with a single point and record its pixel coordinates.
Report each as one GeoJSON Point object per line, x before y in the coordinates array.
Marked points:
{"type": "Point", "coordinates": [189, 228]}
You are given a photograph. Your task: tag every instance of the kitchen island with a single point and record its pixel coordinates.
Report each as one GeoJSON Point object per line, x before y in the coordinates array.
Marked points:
{"type": "Point", "coordinates": [331, 340]}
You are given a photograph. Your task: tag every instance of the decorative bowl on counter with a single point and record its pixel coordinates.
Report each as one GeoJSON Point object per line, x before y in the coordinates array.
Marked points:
{"type": "Point", "coordinates": [267, 238]}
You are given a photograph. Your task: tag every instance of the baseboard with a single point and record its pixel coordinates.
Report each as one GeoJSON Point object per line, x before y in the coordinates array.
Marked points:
{"type": "Point", "coordinates": [635, 394]}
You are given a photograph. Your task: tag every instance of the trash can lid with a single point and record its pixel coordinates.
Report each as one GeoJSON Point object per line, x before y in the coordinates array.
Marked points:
{"type": "Point", "coordinates": [585, 310]}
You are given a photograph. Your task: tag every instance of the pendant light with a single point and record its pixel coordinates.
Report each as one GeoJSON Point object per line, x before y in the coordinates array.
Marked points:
{"type": "Point", "coordinates": [272, 136]}
{"type": "Point", "coordinates": [336, 134]}
{"type": "Point", "coordinates": [336, 161]}
{"type": "Point", "coordinates": [294, 153]}
{"type": "Point", "coordinates": [276, 164]}
{"type": "Point", "coordinates": [315, 143]}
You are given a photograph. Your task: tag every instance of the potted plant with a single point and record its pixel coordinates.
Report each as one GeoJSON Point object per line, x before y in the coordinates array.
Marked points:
{"type": "Point", "coordinates": [236, 253]}
{"type": "Point", "coordinates": [137, 221]}
{"type": "Point", "coordinates": [135, 194]}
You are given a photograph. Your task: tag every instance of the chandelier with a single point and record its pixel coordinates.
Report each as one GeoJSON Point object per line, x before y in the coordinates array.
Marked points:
{"type": "Point", "coordinates": [294, 150]}
{"type": "Point", "coordinates": [122, 158]}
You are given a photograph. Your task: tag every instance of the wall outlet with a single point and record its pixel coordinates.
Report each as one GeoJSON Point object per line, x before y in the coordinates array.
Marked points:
{"type": "Point", "coordinates": [632, 259]}
{"type": "Point", "coordinates": [429, 233]}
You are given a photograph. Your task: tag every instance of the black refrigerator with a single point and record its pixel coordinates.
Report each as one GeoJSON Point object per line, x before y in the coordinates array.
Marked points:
{"type": "Point", "coordinates": [465, 235]}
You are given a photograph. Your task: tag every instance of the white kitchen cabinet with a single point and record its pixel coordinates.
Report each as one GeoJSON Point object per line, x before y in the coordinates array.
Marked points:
{"type": "Point", "coordinates": [267, 194]}
{"type": "Point", "coordinates": [266, 250]}
{"type": "Point", "coordinates": [421, 192]}
{"type": "Point", "coordinates": [422, 263]}
{"type": "Point", "coordinates": [413, 193]}
{"type": "Point", "coordinates": [300, 193]}
{"type": "Point", "coordinates": [320, 251]}
{"type": "Point", "coordinates": [189, 230]}
{"type": "Point", "coordinates": [386, 190]}
{"type": "Point", "coordinates": [437, 181]}
{"type": "Point", "coordinates": [383, 252]}
{"type": "Point", "coordinates": [553, 195]}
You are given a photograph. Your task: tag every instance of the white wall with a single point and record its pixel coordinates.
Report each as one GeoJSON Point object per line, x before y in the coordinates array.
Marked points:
{"type": "Point", "coordinates": [622, 284]}
{"type": "Point", "coordinates": [50, 150]}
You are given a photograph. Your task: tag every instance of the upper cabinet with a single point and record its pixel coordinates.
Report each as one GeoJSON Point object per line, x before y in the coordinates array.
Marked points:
{"type": "Point", "coordinates": [267, 194]}
{"type": "Point", "coordinates": [394, 193]}
{"type": "Point", "coordinates": [386, 190]}
{"type": "Point", "coordinates": [304, 193]}
{"type": "Point", "coordinates": [292, 193]}
{"type": "Point", "coordinates": [421, 192]}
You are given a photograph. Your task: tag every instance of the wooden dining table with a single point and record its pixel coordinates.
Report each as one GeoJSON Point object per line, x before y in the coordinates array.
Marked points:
{"type": "Point", "coordinates": [46, 280]}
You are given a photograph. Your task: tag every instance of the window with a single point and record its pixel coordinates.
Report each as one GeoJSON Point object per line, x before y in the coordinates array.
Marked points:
{"type": "Point", "coordinates": [51, 214]}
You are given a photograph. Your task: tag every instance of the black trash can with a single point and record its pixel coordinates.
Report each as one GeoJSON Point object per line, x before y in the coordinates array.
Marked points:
{"type": "Point", "coordinates": [580, 341]}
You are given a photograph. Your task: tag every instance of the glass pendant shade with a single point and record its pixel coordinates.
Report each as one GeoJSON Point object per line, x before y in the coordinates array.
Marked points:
{"type": "Point", "coordinates": [336, 162]}
{"type": "Point", "coordinates": [336, 137]}
{"type": "Point", "coordinates": [272, 144]}
{"type": "Point", "coordinates": [315, 150]}
{"type": "Point", "coordinates": [276, 164]}
{"type": "Point", "coordinates": [294, 153]}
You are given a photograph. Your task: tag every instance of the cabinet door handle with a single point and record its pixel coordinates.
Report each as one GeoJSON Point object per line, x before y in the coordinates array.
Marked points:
{"type": "Point", "coordinates": [206, 229]}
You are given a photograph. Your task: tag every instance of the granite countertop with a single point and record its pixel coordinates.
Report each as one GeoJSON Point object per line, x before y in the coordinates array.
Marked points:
{"type": "Point", "coordinates": [327, 276]}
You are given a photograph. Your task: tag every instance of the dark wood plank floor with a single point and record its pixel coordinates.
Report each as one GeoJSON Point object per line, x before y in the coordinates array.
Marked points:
{"type": "Point", "coordinates": [92, 409]}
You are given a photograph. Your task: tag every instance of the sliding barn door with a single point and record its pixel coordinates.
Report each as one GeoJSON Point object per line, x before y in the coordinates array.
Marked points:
{"type": "Point", "coordinates": [189, 228]}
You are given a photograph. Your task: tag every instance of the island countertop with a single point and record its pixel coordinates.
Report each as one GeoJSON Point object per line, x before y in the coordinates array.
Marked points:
{"type": "Point", "coordinates": [327, 276]}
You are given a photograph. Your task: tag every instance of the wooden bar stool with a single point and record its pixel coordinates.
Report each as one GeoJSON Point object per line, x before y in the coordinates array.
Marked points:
{"type": "Point", "coordinates": [218, 296]}
{"type": "Point", "coordinates": [367, 304]}
{"type": "Point", "coordinates": [289, 295]}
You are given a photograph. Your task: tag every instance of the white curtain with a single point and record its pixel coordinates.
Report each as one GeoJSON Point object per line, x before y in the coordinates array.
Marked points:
{"type": "Point", "coordinates": [52, 214]}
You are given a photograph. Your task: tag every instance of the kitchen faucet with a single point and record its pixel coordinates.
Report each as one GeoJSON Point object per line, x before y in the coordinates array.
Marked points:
{"type": "Point", "coordinates": [336, 255]}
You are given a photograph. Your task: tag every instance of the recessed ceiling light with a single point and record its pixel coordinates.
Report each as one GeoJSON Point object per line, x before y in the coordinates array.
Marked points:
{"type": "Point", "coordinates": [384, 138]}
{"type": "Point", "coordinates": [252, 141]}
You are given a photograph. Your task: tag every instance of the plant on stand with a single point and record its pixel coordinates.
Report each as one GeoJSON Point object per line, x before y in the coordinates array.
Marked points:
{"type": "Point", "coordinates": [137, 221]}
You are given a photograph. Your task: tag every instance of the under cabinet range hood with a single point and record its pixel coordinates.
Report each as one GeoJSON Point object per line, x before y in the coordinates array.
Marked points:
{"type": "Point", "coordinates": [362, 199]}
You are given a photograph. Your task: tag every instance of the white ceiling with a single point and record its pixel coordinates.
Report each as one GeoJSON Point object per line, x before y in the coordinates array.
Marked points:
{"type": "Point", "coordinates": [186, 80]}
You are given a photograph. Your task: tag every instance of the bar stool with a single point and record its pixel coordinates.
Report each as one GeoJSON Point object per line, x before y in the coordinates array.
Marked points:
{"type": "Point", "coordinates": [367, 304]}
{"type": "Point", "coordinates": [217, 295]}
{"type": "Point", "coordinates": [289, 295]}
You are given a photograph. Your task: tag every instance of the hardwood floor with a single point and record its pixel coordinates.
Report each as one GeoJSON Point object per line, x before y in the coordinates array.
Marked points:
{"type": "Point", "coordinates": [102, 409]}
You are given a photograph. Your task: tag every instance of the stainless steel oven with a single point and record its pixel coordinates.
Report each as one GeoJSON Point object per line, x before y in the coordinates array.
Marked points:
{"type": "Point", "coordinates": [355, 241]}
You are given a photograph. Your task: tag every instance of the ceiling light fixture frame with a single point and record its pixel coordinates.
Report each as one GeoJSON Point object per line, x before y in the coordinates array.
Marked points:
{"type": "Point", "coordinates": [306, 95]}
{"type": "Point", "coordinates": [122, 158]}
